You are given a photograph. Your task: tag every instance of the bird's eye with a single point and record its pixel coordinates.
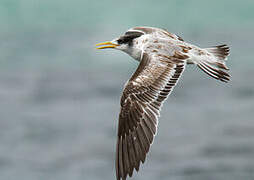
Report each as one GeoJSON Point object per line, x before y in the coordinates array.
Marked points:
{"type": "Point", "coordinates": [120, 41]}
{"type": "Point", "coordinates": [128, 37]}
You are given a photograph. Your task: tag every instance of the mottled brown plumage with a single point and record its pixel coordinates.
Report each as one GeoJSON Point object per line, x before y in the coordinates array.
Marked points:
{"type": "Point", "coordinates": [163, 57]}
{"type": "Point", "coordinates": [140, 105]}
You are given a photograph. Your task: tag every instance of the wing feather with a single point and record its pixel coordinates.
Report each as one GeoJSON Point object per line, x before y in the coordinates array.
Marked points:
{"type": "Point", "coordinates": [141, 102]}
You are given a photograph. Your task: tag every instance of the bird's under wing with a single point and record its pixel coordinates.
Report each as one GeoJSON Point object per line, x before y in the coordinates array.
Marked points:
{"type": "Point", "coordinates": [141, 102]}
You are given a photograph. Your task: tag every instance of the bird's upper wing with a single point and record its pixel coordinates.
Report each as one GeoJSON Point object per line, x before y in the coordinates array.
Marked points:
{"type": "Point", "coordinates": [141, 101]}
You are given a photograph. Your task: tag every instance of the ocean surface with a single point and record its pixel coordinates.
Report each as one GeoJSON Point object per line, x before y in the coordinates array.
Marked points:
{"type": "Point", "coordinates": [59, 97]}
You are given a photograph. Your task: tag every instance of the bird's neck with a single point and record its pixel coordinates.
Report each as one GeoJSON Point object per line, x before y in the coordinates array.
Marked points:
{"type": "Point", "coordinates": [134, 53]}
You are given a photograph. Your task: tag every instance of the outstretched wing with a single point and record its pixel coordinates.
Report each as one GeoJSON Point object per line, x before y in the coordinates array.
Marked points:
{"type": "Point", "coordinates": [141, 102]}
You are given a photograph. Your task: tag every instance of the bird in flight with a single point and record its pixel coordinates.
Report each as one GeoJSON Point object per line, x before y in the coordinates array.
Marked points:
{"type": "Point", "coordinates": [162, 58]}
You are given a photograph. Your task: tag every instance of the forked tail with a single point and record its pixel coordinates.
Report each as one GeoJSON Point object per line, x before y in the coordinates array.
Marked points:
{"type": "Point", "coordinates": [213, 62]}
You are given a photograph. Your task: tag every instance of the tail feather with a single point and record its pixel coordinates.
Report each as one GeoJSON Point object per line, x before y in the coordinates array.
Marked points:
{"type": "Point", "coordinates": [221, 51]}
{"type": "Point", "coordinates": [214, 72]}
{"type": "Point", "coordinates": [214, 63]}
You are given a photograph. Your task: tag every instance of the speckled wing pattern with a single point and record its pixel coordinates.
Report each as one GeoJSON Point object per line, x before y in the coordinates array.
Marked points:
{"type": "Point", "coordinates": [141, 102]}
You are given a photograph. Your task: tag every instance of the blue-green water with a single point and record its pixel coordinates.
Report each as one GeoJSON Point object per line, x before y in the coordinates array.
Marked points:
{"type": "Point", "coordinates": [59, 97]}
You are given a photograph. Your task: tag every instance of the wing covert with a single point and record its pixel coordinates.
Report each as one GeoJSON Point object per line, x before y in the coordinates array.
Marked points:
{"type": "Point", "coordinates": [141, 102]}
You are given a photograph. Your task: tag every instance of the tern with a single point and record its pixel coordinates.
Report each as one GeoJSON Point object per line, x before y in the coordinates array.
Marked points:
{"type": "Point", "coordinates": [162, 58]}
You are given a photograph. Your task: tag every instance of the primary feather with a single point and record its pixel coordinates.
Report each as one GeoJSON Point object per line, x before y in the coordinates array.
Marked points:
{"type": "Point", "coordinates": [163, 57]}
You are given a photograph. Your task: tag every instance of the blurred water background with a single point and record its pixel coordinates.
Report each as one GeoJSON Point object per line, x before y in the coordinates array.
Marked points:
{"type": "Point", "coordinates": [59, 97]}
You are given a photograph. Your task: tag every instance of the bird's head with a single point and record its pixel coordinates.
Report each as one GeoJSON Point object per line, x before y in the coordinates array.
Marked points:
{"type": "Point", "coordinates": [127, 43]}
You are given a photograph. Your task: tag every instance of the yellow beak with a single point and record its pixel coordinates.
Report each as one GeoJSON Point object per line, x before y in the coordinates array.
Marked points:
{"type": "Point", "coordinates": [107, 45]}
